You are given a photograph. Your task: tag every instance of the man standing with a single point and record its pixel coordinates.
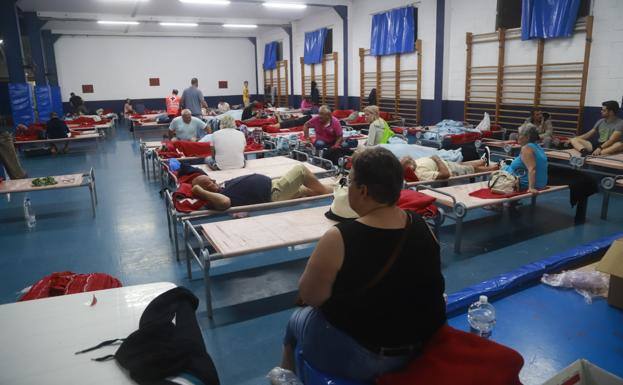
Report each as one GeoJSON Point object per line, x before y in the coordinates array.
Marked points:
{"type": "Point", "coordinates": [77, 104]}
{"type": "Point", "coordinates": [192, 99]}
{"type": "Point", "coordinates": [173, 103]}
{"type": "Point", "coordinates": [606, 137]}
{"type": "Point", "coordinates": [188, 127]}
{"type": "Point", "coordinates": [246, 99]}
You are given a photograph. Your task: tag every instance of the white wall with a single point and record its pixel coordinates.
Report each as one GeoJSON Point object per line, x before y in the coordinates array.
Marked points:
{"type": "Point", "coordinates": [605, 78]}
{"type": "Point", "coordinates": [120, 67]}
{"type": "Point", "coordinates": [360, 20]}
{"type": "Point", "coordinates": [275, 34]}
{"type": "Point", "coordinates": [324, 18]}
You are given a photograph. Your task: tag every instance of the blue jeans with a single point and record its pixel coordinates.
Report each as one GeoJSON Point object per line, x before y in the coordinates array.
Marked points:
{"type": "Point", "coordinates": [334, 352]}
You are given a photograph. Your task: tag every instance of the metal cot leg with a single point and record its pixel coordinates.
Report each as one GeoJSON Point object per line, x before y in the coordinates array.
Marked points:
{"type": "Point", "coordinates": [580, 211]}
{"type": "Point", "coordinates": [175, 240]}
{"type": "Point", "coordinates": [208, 283]}
{"type": "Point", "coordinates": [92, 193]}
{"type": "Point", "coordinates": [458, 235]}
{"type": "Point", "coordinates": [604, 205]}
{"type": "Point", "coordinates": [188, 247]}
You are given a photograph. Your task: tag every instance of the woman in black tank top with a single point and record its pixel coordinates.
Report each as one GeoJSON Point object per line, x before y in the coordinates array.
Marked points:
{"type": "Point", "coordinates": [374, 285]}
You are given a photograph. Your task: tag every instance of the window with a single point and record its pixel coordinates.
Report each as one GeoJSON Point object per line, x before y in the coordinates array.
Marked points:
{"type": "Point", "coordinates": [509, 13]}
{"type": "Point", "coordinates": [328, 42]}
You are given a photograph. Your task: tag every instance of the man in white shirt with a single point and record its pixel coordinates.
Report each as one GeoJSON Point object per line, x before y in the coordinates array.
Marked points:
{"type": "Point", "coordinates": [228, 148]}
{"type": "Point", "coordinates": [187, 127]}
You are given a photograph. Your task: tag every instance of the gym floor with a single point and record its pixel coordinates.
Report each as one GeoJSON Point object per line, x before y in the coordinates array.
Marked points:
{"type": "Point", "coordinates": [253, 295]}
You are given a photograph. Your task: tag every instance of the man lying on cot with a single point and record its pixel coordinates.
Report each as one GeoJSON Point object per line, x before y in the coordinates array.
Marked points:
{"type": "Point", "coordinates": [435, 168]}
{"type": "Point", "coordinates": [256, 188]}
{"type": "Point", "coordinates": [606, 137]}
{"type": "Point", "coordinates": [188, 127]}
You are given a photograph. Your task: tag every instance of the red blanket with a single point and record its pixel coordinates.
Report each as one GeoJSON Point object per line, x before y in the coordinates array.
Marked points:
{"type": "Point", "coordinates": [409, 175]}
{"type": "Point", "coordinates": [454, 357]}
{"type": "Point", "coordinates": [193, 148]}
{"type": "Point", "coordinates": [486, 193]}
{"type": "Point", "coordinates": [67, 282]}
{"type": "Point", "coordinates": [257, 122]}
{"type": "Point", "coordinates": [183, 198]}
{"type": "Point", "coordinates": [416, 201]}
{"type": "Point", "coordinates": [342, 114]}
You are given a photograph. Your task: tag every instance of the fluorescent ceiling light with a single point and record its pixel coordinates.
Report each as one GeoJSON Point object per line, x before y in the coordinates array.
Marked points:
{"type": "Point", "coordinates": [207, 2]}
{"type": "Point", "coordinates": [285, 5]}
{"type": "Point", "coordinates": [1, 41]}
{"type": "Point", "coordinates": [169, 24]}
{"type": "Point", "coordinates": [240, 25]}
{"type": "Point", "coordinates": [115, 22]}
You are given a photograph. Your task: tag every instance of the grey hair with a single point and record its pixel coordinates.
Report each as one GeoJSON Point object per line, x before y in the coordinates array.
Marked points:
{"type": "Point", "coordinates": [530, 131]}
{"type": "Point", "coordinates": [324, 110]}
{"type": "Point", "coordinates": [186, 111]}
{"type": "Point", "coordinates": [372, 109]}
{"type": "Point", "coordinates": [227, 121]}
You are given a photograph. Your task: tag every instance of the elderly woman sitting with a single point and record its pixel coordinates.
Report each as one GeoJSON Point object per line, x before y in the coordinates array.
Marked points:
{"type": "Point", "coordinates": [373, 286]}
{"type": "Point", "coordinates": [531, 164]}
{"type": "Point", "coordinates": [379, 131]}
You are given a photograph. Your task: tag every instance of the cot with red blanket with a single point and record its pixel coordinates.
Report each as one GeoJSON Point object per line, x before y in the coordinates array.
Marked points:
{"type": "Point", "coordinates": [232, 238]}
{"type": "Point", "coordinates": [460, 199]}
{"type": "Point", "coordinates": [75, 137]}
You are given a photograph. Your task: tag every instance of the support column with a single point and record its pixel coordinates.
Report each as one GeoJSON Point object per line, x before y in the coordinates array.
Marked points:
{"type": "Point", "coordinates": [288, 30]}
{"type": "Point", "coordinates": [34, 25]}
{"type": "Point", "coordinates": [437, 110]}
{"type": "Point", "coordinates": [50, 57]}
{"type": "Point", "coordinates": [9, 27]}
{"type": "Point", "coordinates": [342, 11]}
{"type": "Point", "coordinates": [253, 41]}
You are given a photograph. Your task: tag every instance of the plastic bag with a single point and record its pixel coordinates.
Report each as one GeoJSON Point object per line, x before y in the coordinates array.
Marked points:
{"type": "Point", "coordinates": [280, 376]}
{"type": "Point", "coordinates": [485, 123]}
{"type": "Point", "coordinates": [589, 284]}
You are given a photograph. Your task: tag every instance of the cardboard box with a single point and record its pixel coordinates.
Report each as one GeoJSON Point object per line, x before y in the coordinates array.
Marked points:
{"type": "Point", "coordinates": [612, 263]}
{"type": "Point", "coordinates": [583, 372]}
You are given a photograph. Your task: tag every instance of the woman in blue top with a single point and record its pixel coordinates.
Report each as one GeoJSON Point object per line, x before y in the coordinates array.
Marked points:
{"type": "Point", "coordinates": [531, 164]}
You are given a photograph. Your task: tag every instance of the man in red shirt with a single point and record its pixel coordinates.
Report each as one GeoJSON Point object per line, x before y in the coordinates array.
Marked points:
{"type": "Point", "coordinates": [327, 128]}
{"type": "Point", "coordinates": [173, 103]}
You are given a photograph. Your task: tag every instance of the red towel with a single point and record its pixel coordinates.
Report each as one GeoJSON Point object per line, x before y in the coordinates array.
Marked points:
{"type": "Point", "coordinates": [342, 114]}
{"type": "Point", "coordinates": [416, 201]}
{"type": "Point", "coordinates": [486, 193]}
{"type": "Point", "coordinates": [454, 357]}
{"type": "Point", "coordinates": [193, 148]}
{"type": "Point", "coordinates": [67, 282]}
{"type": "Point", "coordinates": [183, 198]}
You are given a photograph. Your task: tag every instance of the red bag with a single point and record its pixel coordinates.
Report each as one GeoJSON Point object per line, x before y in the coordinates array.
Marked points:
{"type": "Point", "coordinates": [417, 202]}
{"type": "Point", "coordinates": [184, 201]}
{"type": "Point", "coordinates": [67, 282]}
{"type": "Point", "coordinates": [454, 357]}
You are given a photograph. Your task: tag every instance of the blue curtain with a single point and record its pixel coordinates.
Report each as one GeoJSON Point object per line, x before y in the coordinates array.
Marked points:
{"type": "Point", "coordinates": [314, 46]}
{"type": "Point", "coordinates": [22, 105]}
{"type": "Point", "coordinates": [548, 19]}
{"type": "Point", "coordinates": [57, 100]}
{"type": "Point", "coordinates": [393, 32]}
{"type": "Point", "coordinates": [44, 102]}
{"type": "Point", "coordinates": [270, 55]}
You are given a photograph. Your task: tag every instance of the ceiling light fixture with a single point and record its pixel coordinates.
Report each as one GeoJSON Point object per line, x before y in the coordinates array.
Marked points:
{"type": "Point", "coordinates": [115, 22]}
{"type": "Point", "coordinates": [240, 25]}
{"type": "Point", "coordinates": [207, 2]}
{"type": "Point", "coordinates": [174, 24]}
{"type": "Point", "coordinates": [1, 41]}
{"type": "Point", "coordinates": [285, 5]}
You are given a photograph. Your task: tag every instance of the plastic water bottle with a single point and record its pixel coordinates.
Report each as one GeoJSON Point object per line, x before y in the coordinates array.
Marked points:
{"type": "Point", "coordinates": [29, 214]}
{"type": "Point", "coordinates": [481, 317]}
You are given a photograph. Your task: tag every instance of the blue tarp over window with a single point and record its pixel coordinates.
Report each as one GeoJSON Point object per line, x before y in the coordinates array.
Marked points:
{"type": "Point", "coordinates": [44, 102]}
{"type": "Point", "coordinates": [270, 55]}
{"type": "Point", "coordinates": [548, 18]}
{"type": "Point", "coordinates": [22, 105]}
{"type": "Point", "coordinates": [314, 46]}
{"type": "Point", "coordinates": [393, 32]}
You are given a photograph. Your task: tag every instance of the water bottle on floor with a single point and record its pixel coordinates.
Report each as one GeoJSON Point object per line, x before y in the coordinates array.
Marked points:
{"type": "Point", "coordinates": [481, 317]}
{"type": "Point", "coordinates": [29, 214]}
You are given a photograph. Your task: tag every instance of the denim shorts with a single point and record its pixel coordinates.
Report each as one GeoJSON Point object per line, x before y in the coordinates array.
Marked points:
{"type": "Point", "coordinates": [334, 352]}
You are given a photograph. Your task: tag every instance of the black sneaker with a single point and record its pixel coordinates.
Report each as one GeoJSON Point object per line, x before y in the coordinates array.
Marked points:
{"type": "Point", "coordinates": [584, 153]}
{"type": "Point", "coordinates": [486, 156]}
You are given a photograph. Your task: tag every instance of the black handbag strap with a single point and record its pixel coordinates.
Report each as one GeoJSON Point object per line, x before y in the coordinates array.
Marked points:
{"type": "Point", "coordinates": [392, 259]}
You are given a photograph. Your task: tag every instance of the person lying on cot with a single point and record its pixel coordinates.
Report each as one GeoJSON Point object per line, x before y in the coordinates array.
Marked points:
{"type": "Point", "coordinates": [372, 288]}
{"type": "Point", "coordinates": [250, 111]}
{"type": "Point", "coordinates": [57, 129]}
{"type": "Point", "coordinates": [253, 189]}
{"type": "Point", "coordinates": [435, 168]}
{"type": "Point", "coordinates": [327, 128]}
{"type": "Point", "coordinates": [606, 136]}
{"type": "Point", "coordinates": [531, 164]}
{"type": "Point", "coordinates": [188, 127]}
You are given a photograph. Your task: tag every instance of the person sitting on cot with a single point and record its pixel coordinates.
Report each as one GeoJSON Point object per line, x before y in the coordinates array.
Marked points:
{"type": "Point", "coordinates": [188, 127]}
{"type": "Point", "coordinates": [327, 128]}
{"type": "Point", "coordinates": [372, 288]}
{"type": "Point", "coordinates": [128, 110]}
{"type": "Point", "coordinates": [228, 146]}
{"type": "Point", "coordinates": [531, 164]}
{"type": "Point", "coordinates": [543, 124]}
{"type": "Point", "coordinates": [57, 129]}
{"type": "Point", "coordinates": [435, 168]}
{"type": "Point", "coordinates": [606, 136]}
{"type": "Point", "coordinates": [253, 189]}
